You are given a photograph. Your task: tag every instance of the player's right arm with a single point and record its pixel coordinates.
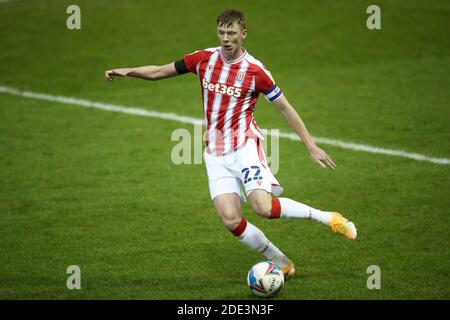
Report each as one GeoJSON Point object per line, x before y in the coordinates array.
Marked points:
{"type": "Point", "coordinates": [189, 63]}
{"type": "Point", "coordinates": [151, 73]}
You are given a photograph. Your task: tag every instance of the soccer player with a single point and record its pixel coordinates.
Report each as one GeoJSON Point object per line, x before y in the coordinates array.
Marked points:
{"type": "Point", "coordinates": [231, 80]}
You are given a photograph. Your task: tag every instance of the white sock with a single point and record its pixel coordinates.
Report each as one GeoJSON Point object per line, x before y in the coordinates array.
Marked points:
{"type": "Point", "coordinates": [254, 238]}
{"type": "Point", "coordinates": [295, 210]}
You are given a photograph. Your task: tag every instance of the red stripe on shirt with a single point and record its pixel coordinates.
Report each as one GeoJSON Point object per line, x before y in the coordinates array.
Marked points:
{"type": "Point", "coordinates": [220, 126]}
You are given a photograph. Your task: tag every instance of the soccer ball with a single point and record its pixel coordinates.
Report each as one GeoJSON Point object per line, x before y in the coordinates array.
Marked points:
{"type": "Point", "coordinates": [265, 279]}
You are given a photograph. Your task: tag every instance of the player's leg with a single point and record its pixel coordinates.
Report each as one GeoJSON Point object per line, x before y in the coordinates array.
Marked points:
{"type": "Point", "coordinates": [261, 202]}
{"type": "Point", "coordinates": [226, 191]}
{"type": "Point", "coordinates": [291, 209]}
{"type": "Point", "coordinates": [259, 183]}
{"type": "Point", "coordinates": [265, 206]}
{"type": "Point", "coordinates": [228, 208]}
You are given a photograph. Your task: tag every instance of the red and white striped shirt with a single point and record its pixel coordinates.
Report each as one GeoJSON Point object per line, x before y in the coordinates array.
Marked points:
{"type": "Point", "coordinates": [230, 90]}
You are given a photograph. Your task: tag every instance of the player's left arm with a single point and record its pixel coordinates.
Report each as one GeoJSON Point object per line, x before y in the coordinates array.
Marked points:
{"type": "Point", "coordinates": [293, 118]}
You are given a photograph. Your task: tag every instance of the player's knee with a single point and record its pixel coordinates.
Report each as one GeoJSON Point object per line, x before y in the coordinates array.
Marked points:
{"type": "Point", "coordinates": [262, 207]}
{"type": "Point", "coordinates": [230, 218]}
{"type": "Point", "coordinates": [232, 224]}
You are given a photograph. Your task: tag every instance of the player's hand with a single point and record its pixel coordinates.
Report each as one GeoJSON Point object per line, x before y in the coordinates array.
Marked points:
{"type": "Point", "coordinates": [320, 157]}
{"type": "Point", "coordinates": [122, 72]}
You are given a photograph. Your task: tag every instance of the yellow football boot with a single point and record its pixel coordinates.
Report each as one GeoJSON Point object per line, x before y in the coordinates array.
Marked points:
{"type": "Point", "coordinates": [341, 225]}
{"type": "Point", "coordinates": [289, 270]}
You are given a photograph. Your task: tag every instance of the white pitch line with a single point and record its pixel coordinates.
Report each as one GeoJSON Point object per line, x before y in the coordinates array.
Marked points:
{"type": "Point", "coordinates": [370, 149]}
{"type": "Point", "coordinates": [195, 121]}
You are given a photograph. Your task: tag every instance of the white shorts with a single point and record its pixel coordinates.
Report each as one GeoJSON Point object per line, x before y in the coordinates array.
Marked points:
{"type": "Point", "coordinates": [246, 168]}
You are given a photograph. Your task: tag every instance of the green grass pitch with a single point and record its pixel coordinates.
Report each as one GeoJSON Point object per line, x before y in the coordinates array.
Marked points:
{"type": "Point", "coordinates": [98, 189]}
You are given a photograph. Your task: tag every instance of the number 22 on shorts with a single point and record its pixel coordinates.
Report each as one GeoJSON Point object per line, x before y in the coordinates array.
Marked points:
{"type": "Point", "coordinates": [256, 171]}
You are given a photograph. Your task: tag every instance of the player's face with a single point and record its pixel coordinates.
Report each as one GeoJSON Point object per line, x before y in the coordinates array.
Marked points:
{"type": "Point", "coordinates": [231, 39]}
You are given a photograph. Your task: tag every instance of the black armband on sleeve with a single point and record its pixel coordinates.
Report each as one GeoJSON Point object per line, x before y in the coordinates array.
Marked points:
{"type": "Point", "coordinates": [180, 66]}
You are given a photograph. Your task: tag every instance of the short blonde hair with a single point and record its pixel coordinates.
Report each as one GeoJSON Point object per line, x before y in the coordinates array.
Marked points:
{"type": "Point", "coordinates": [229, 17]}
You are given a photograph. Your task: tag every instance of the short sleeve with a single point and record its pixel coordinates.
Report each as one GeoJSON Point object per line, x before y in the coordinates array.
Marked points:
{"type": "Point", "coordinates": [264, 83]}
{"type": "Point", "coordinates": [193, 59]}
